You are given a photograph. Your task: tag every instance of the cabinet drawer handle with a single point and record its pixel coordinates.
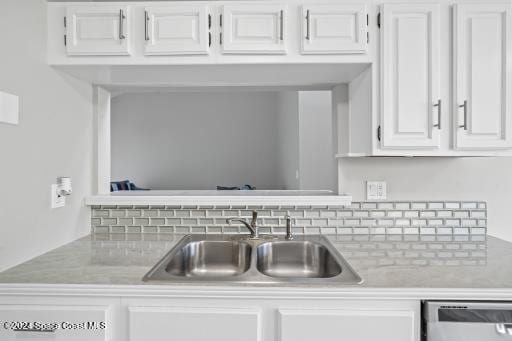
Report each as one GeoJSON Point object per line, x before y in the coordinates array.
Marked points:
{"type": "Point", "coordinates": [146, 25]}
{"type": "Point", "coordinates": [438, 105]}
{"type": "Point", "coordinates": [465, 106]}
{"type": "Point", "coordinates": [281, 25]}
{"type": "Point", "coordinates": [308, 25]}
{"type": "Point", "coordinates": [121, 25]}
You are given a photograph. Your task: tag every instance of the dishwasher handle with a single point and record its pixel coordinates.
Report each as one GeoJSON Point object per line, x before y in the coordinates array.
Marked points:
{"type": "Point", "coordinates": [504, 329]}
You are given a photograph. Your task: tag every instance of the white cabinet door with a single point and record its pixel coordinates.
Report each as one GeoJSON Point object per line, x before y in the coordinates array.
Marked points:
{"type": "Point", "coordinates": [332, 29]}
{"type": "Point", "coordinates": [97, 30]}
{"type": "Point", "coordinates": [193, 324]}
{"type": "Point", "coordinates": [352, 325]}
{"type": "Point", "coordinates": [55, 322]}
{"type": "Point", "coordinates": [177, 30]}
{"type": "Point", "coordinates": [410, 89]}
{"type": "Point", "coordinates": [483, 76]}
{"type": "Point", "coordinates": [254, 29]}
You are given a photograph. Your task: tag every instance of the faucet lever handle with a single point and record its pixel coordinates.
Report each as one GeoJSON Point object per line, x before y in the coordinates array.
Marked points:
{"type": "Point", "coordinates": [289, 235]}
{"type": "Point", "coordinates": [254, 217]}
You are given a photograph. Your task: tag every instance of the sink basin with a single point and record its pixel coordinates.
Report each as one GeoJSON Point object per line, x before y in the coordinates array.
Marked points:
{"type": "Point", "coordinates": [210, 259]}
{"type": "Point", "coordinates": [309, 260]}
{"type": "Point", "coordinates": [296, 259]}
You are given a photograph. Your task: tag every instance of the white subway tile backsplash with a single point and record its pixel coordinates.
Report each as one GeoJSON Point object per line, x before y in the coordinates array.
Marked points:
{"type": "Point", "coordinates": [395, 214]}
{"type": "Point", "coordinates": [402, 206]}
{"type": "Point", "coordinates": [385, 206]}
{"type": "Point", "coordinates": [393, 218]}
{"type": "Point", "coordinates": [461, 214]}
{"type": "Point", "coordinates": [452, 205]}
{"type": "Point", "coordinates": [419, 206]}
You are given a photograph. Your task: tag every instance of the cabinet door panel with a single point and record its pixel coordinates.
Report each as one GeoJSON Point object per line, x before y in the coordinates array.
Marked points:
{"type": "Point", "coordinates": [254, 29]}
{"type": "Point", "coordinates": [176, 30]}
{"type": "Point", "coordinates": [410, 76]}
{"type": "Point", "coordinates": [332, 29]}
{"type": "Point", "coordinates": [353, 325]}
{"type": "Point", "coordinates": [97, 31]}
{"type": "Point", "coordinates": [60, 319]}
{"type": "Point", "coordinates": [193, 324]}
{"type": "Point", "coordinates": [483, 69]}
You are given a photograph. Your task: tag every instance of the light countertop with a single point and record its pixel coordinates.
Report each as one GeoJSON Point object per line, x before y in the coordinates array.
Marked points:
{"type": "Point", "coordinates": [401, 261]}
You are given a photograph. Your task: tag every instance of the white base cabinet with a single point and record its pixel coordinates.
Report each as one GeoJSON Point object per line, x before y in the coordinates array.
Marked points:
{"type": "Point", "coordinates": [351, 324]}
{"type": "Point", "coordinates": [60, 319]}
{"type": "Point", "coordinates": [206, 316]}
{"type": "Point", "coordinates": [271, 319]}
{"type": "Point", "coordinates": [162, 323]}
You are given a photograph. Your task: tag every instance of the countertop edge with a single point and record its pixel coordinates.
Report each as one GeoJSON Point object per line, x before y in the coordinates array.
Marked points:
{"type": "Point", "coordinates": [7, 289]}
{"type": "Point", "coordinates": [327, 200]}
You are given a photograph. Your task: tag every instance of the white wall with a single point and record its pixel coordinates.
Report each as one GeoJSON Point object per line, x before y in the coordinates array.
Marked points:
{"type": "Point", "coordinates": [425, 178]}
{"type": "Point", "coordinates": [195, 140]}
{"type": "Point", "coordinates": [288, 140]}
{"type": "Point", "coordinates": [317, 162]}
{"type": "Point", "coordinates": [54, 138]}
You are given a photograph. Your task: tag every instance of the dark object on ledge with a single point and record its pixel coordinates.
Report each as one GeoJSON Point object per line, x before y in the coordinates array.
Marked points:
{"type": "Point", "coordinates": [125, 185]}
{"type": "Point", "coordinates": [243, 188]}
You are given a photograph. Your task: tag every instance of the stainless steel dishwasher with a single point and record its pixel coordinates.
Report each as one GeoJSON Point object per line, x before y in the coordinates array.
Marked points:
{"type": "Point", "coordinates": [467, 321]}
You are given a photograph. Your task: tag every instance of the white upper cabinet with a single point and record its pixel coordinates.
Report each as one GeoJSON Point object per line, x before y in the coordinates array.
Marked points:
{"type": "Point", "coordinates": [410, 89]}
{"type": "Point", "coordinates": [483, 76]}
{"type": "Point", "coordinates": [177, 30]}
{"type": "Point", "coordinates": [334, 29]}
{"type": "Point", "coordinates": [97, 30]}
{"type": "Point", "coordinates": [254, 29]}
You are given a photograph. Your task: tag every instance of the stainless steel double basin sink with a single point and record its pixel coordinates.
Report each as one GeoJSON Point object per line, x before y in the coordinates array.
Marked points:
{"type": "Point", "coordinates": [238, 259]}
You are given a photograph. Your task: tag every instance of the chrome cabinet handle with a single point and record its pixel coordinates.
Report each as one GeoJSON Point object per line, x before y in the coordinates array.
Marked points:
{"type": "Point", "coordinates": [146, 24]}
{"type": "Point", "coordinates": [308, 25]}
{"type": "Point", "coordinates": [504, 329]}
{"type": "Point", "coordinates": [281, 27]}
{"type": "Point", "coordinates": [465, 106]}
{"type": "Point", "coordinates": [438, 105]}
{"type": "Point", "coordinates": [121, 25]}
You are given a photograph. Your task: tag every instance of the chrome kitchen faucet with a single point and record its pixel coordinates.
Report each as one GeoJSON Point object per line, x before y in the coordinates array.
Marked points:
{"type": "Point", "coordinates": [252, 226]}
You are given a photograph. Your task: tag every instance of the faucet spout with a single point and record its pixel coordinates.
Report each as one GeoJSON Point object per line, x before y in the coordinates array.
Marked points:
{"type": "Point", "coordinates": [252, 226]}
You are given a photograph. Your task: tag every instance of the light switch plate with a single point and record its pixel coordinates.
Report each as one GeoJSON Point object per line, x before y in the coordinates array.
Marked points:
{"type": "Point", "coordinates": [9, 108]}
{"type": "Point", "coordinates": [57, 201]}
{"type": "Point", "coordinates": [376, 190]}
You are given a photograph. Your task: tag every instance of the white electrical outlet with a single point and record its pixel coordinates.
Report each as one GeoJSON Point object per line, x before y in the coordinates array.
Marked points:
{"type": "Point", "coordinates": [57, 200]}
{"type": "Point", "coordinates": [376, 190]}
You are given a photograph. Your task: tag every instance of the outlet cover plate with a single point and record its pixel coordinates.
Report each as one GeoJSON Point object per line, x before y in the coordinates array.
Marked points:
{"type": "Point", "coordinates": [376, 190]}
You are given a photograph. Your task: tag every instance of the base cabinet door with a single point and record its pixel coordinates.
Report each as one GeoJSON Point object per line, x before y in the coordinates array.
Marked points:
{"type": "Point", "coordinates": [410, 90]}
{"type": "Point", "coordinates": [176, 30]}
{"type": "Point", "coordinates": [55, 322]}
{"type": "Point", "coordinates": [254, 29]}
{"type": "Point", "coordinates": [193, 324]}
{"type": "Point", "coordinates": [483, 76]}
{"type": "Point", "coordinates": [352, 325]}
{"type": "Point", "coordinates": [98, 30]}
{"type": "Point", "coordinates": [334, 29]}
